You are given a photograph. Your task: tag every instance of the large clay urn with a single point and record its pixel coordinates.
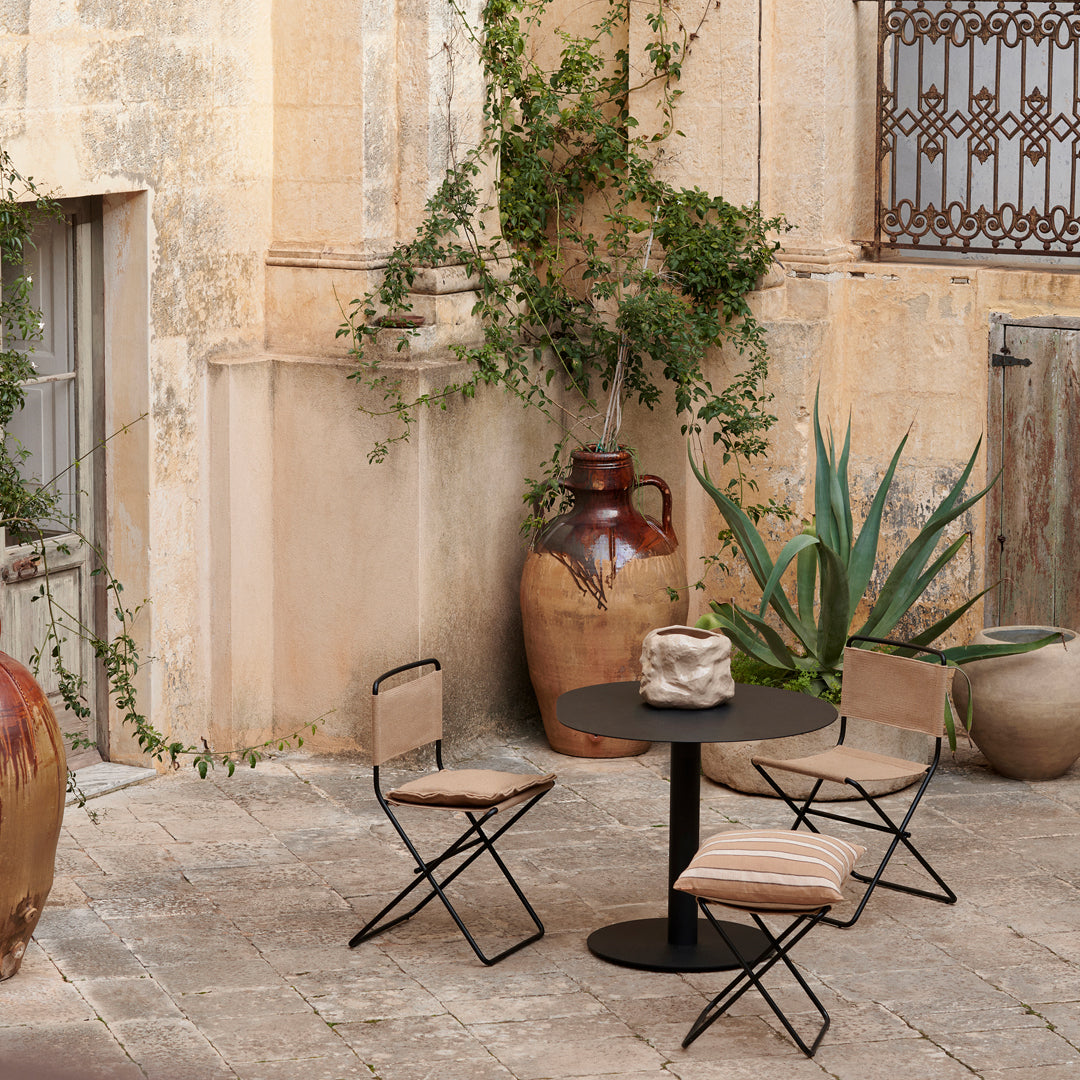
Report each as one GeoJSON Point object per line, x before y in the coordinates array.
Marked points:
{"type": "Point", "coordinates": [1026, 707]}
{"type": "Point", "coordinates": [33, 781]}
{"type": "Point", "coordinates": [596, 581]}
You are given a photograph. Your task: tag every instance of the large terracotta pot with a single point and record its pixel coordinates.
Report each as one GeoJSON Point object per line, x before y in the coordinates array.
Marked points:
{"type": "Point", "coordinates": [33, 781]}
{"type": "Point", "coordinates": [595, 583]}
{"type": "Point", "coordinates": [1025, 708]}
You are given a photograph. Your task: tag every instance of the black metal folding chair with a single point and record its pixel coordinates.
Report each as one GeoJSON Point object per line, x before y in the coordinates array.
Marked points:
{"type": "Point", "coordinates": [884, 688]}
{"type": "Point", "coordinates": [761, 872]}
{"type": "Point", "coordinates": [406, 717]}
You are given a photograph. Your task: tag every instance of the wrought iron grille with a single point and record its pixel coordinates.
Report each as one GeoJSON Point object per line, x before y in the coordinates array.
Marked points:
{"type": "Point", "coordinates": [978, 126]}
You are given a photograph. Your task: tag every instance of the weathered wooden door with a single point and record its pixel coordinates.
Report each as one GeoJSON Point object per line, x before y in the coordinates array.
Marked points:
{"type": "Point", "coordinates": [1033, 513]}
{"type": "Point", "coordinates": [57, 426]}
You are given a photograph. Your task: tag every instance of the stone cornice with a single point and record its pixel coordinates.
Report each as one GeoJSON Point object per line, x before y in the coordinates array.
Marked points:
{"type": "Point", "coordinates": [372, 255]}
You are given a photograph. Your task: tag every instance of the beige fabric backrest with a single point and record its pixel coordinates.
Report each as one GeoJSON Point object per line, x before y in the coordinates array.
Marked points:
{"type": "Point", "coordinates": [406, 717]}
{"type": "Point", "coordinates": [895, 690]}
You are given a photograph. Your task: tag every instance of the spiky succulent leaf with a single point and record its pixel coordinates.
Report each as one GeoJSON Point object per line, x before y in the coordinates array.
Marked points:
{"type": "Point", "coordinates": [933, 632]}
{"type": "Point", "coordinates": [806, 571]}
{"type": "Point", "coordinates": [790, 550]}
{"type": "Point", "coordinates": [752, 546]}
{"type": "Point", "coordinates": [725, 618]}
{"type": "Point", "coordinates": [832, 613]}
{"type": "Point", "coordinates": [746, 535]}
{"type": "Point", "coordinates": [965, 654]}
{"type": "Point", "coordinates": [911, 591]}
{"type": "Point", "coordinates": [895, 597]}
{"type": "Point", "coordinates": [864, 551]}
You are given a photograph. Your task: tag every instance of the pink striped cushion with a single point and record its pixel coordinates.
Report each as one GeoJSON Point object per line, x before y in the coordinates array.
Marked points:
{"type": "Point", "coordinates": [775, 871]}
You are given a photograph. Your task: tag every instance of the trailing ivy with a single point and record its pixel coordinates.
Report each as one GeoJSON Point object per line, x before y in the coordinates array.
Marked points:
{"type": "Point", "coordinates": [593, 273]}
{"type": "Point", "coordinates": [22, 207]}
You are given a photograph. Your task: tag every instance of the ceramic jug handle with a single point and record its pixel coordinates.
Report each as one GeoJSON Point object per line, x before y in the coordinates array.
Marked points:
{"type": "Point", "coordinates": [665, 492]}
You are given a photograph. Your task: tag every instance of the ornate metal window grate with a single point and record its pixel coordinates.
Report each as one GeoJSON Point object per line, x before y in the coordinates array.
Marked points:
{"type": "Point", "coordinates": [978, 126]}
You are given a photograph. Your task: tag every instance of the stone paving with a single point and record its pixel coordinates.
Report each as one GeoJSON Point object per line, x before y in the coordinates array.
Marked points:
{"type": "Point", "coordinates": [197, 932]}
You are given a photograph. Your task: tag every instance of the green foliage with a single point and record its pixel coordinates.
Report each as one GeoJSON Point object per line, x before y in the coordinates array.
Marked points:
{"type": "Point", "coordinates": [833, 568]}
{"type": "Point", "coordinates": [22, 206]}
{"type": "Point", "coordinates": [745, 669]}
{"type": "Point", "coordinates": [595, 276]}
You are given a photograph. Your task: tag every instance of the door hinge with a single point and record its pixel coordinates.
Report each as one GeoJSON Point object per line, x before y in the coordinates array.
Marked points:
{"type": "Point", "coordinates": [1005, 359]}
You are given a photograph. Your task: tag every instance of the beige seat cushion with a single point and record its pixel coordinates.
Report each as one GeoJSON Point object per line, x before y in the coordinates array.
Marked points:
{"type": "Point", "coordinates": [843, 762]}
{"type": "Point", "coordinates": [770, 871]}
{"type": "Point", "coordinates": [469, 787]}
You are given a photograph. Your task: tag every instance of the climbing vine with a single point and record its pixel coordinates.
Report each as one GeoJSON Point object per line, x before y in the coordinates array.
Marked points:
{"type": "Point", "coordinates": [593, 273]}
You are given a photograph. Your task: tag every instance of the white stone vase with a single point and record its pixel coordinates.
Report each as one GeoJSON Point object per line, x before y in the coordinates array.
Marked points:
{"type": "Point", "coordinates": [683, 667]}
{"type": "Point", "coordinates": [1025, 708]}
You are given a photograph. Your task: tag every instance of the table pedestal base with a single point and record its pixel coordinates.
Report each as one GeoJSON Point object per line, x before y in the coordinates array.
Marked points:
{"type": "Point", "coordinates": [643, 943]}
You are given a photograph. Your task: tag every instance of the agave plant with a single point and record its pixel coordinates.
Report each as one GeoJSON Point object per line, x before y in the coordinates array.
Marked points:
{"type": "Point", "coordinates": [833, 567]}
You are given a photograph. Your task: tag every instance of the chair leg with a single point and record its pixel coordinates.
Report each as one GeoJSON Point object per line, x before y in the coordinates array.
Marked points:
{"type": "Point", "coordinates": [899, 833]}
{"type": "Point", "coordinates": [475, 840]}
{"type": "Point", "coordinates": [752, 972]}
{"type": "Point", "coordinates": [800, 812]}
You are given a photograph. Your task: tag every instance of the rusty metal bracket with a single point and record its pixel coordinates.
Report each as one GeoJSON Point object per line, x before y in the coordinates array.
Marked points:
{"type": "Point", "coordinates": [1006, 359]}
{"type": "Point", "coordinates": [21, 569]}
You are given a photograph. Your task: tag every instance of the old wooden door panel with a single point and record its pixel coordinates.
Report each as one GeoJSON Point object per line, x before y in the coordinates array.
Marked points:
{"type": "Point", "coordinates": [26, 620]}
{"type": "Point", "coordinates": [1033, 517]}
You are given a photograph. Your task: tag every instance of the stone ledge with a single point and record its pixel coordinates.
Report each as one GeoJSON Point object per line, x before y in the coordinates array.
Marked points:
{"type": "Point", "coordinates": [106, 776]}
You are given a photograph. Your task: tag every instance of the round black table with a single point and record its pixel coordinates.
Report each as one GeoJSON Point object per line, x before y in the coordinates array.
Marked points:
{"type": "Point", "coordinates": [755, 712]}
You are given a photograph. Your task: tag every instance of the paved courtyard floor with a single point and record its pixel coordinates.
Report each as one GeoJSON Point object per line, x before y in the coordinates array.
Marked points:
{"type": "Point", "coordinates": [198, 931]}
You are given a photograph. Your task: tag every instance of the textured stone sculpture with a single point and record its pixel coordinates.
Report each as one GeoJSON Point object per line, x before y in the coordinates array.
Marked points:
{"type": "Point", "coordinates": [683, 667]}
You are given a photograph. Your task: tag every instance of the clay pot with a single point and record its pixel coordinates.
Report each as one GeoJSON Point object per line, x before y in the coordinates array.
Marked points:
{"type": "Point", "coordinates": [1025, 708]}
{"type": "Point", "coordinates": [33, 781]}
{"type": "Point", "coordinates": [594, 584]}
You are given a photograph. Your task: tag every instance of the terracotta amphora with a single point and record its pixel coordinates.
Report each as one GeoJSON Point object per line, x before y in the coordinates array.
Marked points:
{"type": "Point", "coordinates": [33, 781]}
{"type": "Point", "coordinates": [596, 581]}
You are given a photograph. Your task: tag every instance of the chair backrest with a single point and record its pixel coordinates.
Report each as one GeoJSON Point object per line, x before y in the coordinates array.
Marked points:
{"type": "Point", "coordinates": [896, 690]}
{"type": "Point", "coordinates": [405, 717]}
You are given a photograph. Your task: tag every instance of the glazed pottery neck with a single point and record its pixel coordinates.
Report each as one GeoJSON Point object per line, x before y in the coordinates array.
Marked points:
{"type": "Point", "coordinates": [595, 471]}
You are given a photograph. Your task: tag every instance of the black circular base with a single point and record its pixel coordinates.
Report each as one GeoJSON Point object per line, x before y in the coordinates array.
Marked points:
{"type": "Point", "coordinates": [643, 943]}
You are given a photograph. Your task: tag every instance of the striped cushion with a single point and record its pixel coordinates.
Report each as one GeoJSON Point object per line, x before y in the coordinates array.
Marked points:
{"type": "Point", "coordinates": [776, 871]}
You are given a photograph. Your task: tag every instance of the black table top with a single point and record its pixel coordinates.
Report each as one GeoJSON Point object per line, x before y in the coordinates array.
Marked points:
{"type": "Point", "coordinates": [755, 712]}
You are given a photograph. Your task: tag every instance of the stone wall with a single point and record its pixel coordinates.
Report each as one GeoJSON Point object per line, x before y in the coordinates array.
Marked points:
{"type": "Point", "coordinates": [893, 345]}
{"type": "Point", "coordinates": [164, 110]}
{"type": "Point", "coordinates": [256, 159]}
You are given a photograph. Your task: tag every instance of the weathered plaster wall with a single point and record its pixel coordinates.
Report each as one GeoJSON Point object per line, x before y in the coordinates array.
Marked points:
{"type": "Point", "coordinates": [257, 158]}
{"type": "Point", "coordinates": [165, 111]}
{"type": "Point", "coordinates": [893, 345]}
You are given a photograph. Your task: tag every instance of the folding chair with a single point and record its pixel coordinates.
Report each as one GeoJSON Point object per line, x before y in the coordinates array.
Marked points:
{"type": "Point", "coordinates": [884, 688]}
{"type": "Point", "coordinates": [759, 871]}
{"type": "Point", "coordinates": [406, 717]}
